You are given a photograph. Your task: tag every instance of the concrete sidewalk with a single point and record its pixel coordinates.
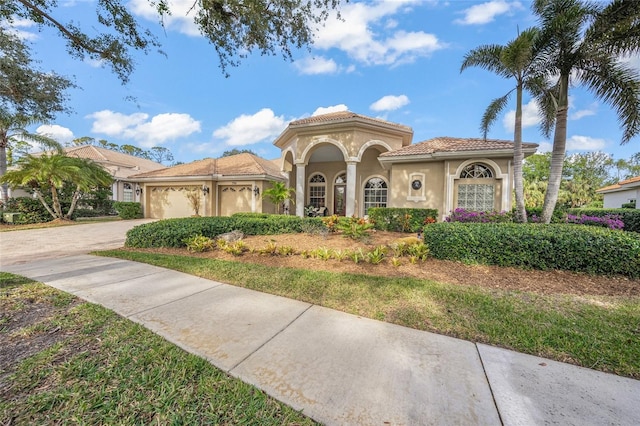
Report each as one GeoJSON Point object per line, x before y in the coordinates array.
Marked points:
{"type": "Point", "coordinates": [342, 369]}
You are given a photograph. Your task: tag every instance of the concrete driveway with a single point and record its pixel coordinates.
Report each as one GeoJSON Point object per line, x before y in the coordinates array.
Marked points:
{"type": "Point", "coordinates": [34, 244]}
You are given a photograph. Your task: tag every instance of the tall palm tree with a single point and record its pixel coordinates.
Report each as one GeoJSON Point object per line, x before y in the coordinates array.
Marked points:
{"type": "Point", "coordinates": [582, 43]}
{"type": "Point", "coordinates": [514, 60]}
{"type": "Point", "coordinates": [50, 172]}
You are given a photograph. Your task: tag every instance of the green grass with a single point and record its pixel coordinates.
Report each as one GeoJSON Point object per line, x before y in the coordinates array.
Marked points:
{"type": "Point", "coordinates": [99, 368]}
{"type": "Point", "coordinates": [595, 332]}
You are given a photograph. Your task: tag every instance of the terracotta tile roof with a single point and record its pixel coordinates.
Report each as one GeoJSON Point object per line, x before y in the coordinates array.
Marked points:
{"type": "Point", "coordinates": [235, 165]}
{"type": "Point", "coordinates": [448, 144]}
{"type": "Point", "coordinates": [344, 116]}
{"type": "Point", "coordinates": [118, 164]}
{"type": "Point", "coordinates": [621, 184]}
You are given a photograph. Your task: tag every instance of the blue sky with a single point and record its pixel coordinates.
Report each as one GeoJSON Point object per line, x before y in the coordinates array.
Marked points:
{"type": "Point", "coordinates": [396, 60]}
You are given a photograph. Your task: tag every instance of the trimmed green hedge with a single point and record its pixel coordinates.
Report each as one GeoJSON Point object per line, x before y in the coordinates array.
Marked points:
{"type": "Point", "coordinates": [630, 217]}
{"type": "Point", "coordinates": [173, 232]}
{"type": "Point", "coordinates": [393, 219]}
{"type": "Point", "coordinates": [536, 246]}
{"type": "Point", "coordinates": [128, 210]}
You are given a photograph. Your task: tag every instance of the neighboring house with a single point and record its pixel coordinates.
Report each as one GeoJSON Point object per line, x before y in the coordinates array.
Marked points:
{"type": "Point", "coordinates": [120, 166]}
{"type": "Point", "coordinates": [623, 192]}
{"type": "Point", "coordinates": [347, 163]}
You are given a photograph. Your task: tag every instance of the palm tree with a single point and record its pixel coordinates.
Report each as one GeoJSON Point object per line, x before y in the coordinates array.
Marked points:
{"type": "Point", "coordinates": [278, 194]}
{"type": "Point", "coordinates": [12, 133]}
{"type": "Point", "coordinates": [515, 61]}
{"type": "Point", "coordinates": [50, 172]}
{"type": "Point", "coordinates": [582, 43]}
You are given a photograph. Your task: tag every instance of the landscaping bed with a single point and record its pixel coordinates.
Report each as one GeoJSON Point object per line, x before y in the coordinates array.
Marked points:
{"type": "Point", "coordinates": [503, 278]}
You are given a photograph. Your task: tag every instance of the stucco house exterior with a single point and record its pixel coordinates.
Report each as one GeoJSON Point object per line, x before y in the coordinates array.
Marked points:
{"type": "Point", "coordinates": [119, 165]}
{"type": "Point", "coordinates": [347, 163]}
{"type": "Point", "coordinates": [623, 192]}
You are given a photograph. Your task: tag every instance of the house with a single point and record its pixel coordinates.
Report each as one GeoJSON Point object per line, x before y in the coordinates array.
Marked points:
{"type": "Point", "coordinates": [121, 166]}
{"type": "Point", "coordinates": [623, 192]}
{"type": "Point", "coordinates": [347, 163]}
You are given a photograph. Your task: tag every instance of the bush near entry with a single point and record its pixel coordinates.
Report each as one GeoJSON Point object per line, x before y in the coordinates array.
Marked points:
{"type": "Point", "coordinates": [174, 232]}
{"type": "Point", "coordinates": [128, 210]}
{"type": "Point", "coordinates": [630, 217]}
{"type": "Point", "coordinates": [577, 248]}
{"type": "Point", "coordinates": [400, 219]}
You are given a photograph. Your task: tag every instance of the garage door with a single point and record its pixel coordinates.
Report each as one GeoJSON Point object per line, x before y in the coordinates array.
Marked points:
{"type": "Point", "coordinates": [234, 199]}
{"type": "Point", "coordinates": [168, 202]}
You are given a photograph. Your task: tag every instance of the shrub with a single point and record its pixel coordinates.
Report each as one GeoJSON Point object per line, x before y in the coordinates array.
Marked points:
{"type": "Point", "coordinates": [630, 217]}
{"type": "Point", "coordinates": [535, 213]}
{"type": "Point", "coordinates": [400, 219]}
{"type": "Point", "coordinates": [555, 246]}
{"type": "Point", "coordinates": [199, 243]}
{"type": "Point", "coordinates": [31, 209]}
{"type": "Point", "coordinates": [631, 205]}
{"type": "Point", "coordinates": [354, 227]}
{"type": "Point", "coordinates": [128, 210]}
{"type": "Point", "coordinates": [173, 232]}
{"type": "Point", "coordinates": [466, 216]}
{"type": "Point", "coordinates": [608, 221]}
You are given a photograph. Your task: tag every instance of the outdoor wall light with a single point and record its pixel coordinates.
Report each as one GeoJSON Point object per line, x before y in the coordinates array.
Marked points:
{"type": "Point", "coordinates": [256, 191]}
{"type": "Point", "coordinates": [205, 189]}
{"type": "Point", "coordinates": [138, 190]}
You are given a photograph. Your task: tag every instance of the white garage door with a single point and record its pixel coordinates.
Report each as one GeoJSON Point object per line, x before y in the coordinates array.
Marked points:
{"type": "Point", "coordinates": [234, 199]}
{"type": "Point", "coordinates": [169, 202]}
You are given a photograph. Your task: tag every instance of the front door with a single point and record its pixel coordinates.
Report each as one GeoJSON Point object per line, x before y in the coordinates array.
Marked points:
{"type": "Point", "coordinates": [339, 200]}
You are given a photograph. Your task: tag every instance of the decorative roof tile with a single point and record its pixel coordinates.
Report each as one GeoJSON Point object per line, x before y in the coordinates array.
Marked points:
{"type": "Point", "coordinates": [344, 116]}
{"type": "Point", "coordinates": [448, 144]}
{"type": "Point", "coordinates": [244, 164]}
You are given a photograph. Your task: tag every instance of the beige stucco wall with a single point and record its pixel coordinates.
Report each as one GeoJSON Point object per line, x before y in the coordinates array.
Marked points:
{"type": "Point", "coordinates": [351, 142]}
{"type": "Point", "coordinates": [429, 196]}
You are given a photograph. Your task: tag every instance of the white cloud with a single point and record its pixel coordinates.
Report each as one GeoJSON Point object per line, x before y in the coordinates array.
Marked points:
{"type": "Point", "coordinates": [19, 28]}
{"type": "Point", "coordinates": [585, 143]}
{"type": "Point", "coordinates": [328, 110]}
{"type": "Point", "coordinates": [530, 116]}
{"type": "Point", "coordinates": [389, 103]}
{"type": "Point", "coordinates": [593, 108]}
{"type": "Point", "coordinates": [632, 61]}
{"type": "Point", "coordinates": [485, 13]}
{"type": "Point", "coordinates": [56, 132]}
{"type": "Point", "coordinates": [250, 129]}
{"type": "Point", "coordinates": [137, 126]}
{"type": "Point", "coordinates": [544, 147]}
{"type": "Point", "coordinates": [317, 65]}
{"type": "Point", "coordinates": [180, 19]}
{"type": "Point", "coordinates": [355, 34]}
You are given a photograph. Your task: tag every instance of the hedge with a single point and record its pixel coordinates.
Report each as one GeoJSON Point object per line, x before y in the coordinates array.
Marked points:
{"type": "Point", "coordinates": [394, 219]}
{"type": "Point", "coordinates": [577, 248]}
{"type": "Point", "coordinates": [630, 217]}
{"type": "Point", "coordinates": [128, 210]}
{"type": "Point", "coordinates": [173, 232]}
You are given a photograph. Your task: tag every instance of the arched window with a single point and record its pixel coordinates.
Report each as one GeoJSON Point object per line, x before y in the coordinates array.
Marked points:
{"type": "Point", "coordinates": [478, 195]}
{"type": "Point", "coordinates": [375, 194]}
{"type": "Point", "coordinates": [476, 171]}
{"type": "Point", "coordinates": [127, 192]}
{"type": "Point", "coordinates": [317, 190]}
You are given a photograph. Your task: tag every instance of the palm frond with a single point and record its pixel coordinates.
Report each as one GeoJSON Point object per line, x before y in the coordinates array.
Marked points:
{"type": "Point", "coordinates": [487, 57]}
{"type": "Point", "coordinates": [491, 113]}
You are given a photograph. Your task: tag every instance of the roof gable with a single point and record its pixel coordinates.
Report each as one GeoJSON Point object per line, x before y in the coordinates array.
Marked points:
{"type": "Point", "coordinates": [446, 144]}
{"type": "Point", "coordinates": [239, 165]}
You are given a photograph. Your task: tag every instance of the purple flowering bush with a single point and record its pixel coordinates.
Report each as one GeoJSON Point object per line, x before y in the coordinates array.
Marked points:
{"type": "Point", "coordinates": [467, 216]}
{"type": "Point", "coordinates": [610, 221]}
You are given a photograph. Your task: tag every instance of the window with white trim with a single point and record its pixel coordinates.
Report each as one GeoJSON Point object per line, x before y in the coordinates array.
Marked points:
{"type": "Point", "coordinates": [476, 196]}
{"type": "Point", "coordinates": [375, 194]}
{"type": "Point", "coordinates": [317, 190]}
{"type": "Point", "coordinates": [127, 192]}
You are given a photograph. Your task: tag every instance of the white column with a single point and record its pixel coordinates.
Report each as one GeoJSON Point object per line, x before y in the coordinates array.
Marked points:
{"type": "Point", "coordinates": [350, 209]}
{"type": "Point", "coordinates": [300, 188]}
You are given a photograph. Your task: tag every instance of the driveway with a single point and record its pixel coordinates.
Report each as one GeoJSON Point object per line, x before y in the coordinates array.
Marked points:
{"type": "Point", "coordinates": [33, 244]}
